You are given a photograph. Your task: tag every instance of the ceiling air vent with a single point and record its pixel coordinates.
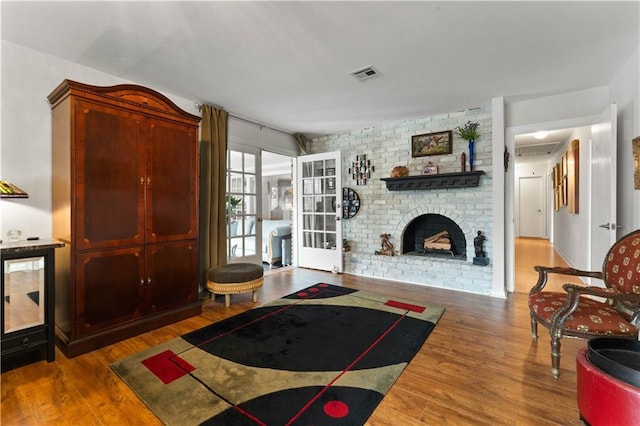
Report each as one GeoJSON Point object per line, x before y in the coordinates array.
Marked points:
{"type": "Point", "coordinates": [541, 149]}
{"type": "Point", "coordinates": [365, 74]}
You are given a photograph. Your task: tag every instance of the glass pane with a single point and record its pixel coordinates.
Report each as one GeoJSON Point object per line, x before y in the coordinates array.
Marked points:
{"type": "Point", "coordinates": [249, 246]}
{"type": "Point", "coordinates": [307, 187]}
{"type": "Point", "coordinates": [319, 223]}
{"type": "Point", "coordinates": [249, 204]}
{"type": "Point", "coordinates": [307, 239]}
{"type": "Point", "coordinates": [330, 204]}
{"type": "Point", "coordinates": [249, 184]}
{"type": "Point", "coordinates": [235, 163]}
{"type": "Point", "coordinates": [318, 168]}
{"type": "Point", "coordinates": [330, 186]}
{"type": "Point", "coordinates": [234, 227]}
{"type": "Point", "coordinates": [317, 186]}
{"type": "Point", "coordinates": [249, 163]}
{"type": "Point", "coordinates": [318, 240]}
{"type": "Point", "coordinates": [235, 182]}
{"type": "Point", "coordinates": [331, 241]}
{"type": "Point", "coordinates": [24, 293]}
{"type": "Point", "coordinates": [319, 201]}
{"type": "Point", "coordinates": [249, 225]}
{"type": "Point", "coordinates": [307, 169]}
{"type": "Point", "coordinates": [331, 223]}
{"type": "Point", "coordinates": [308, 204]}
{"type": "Point", "coordinates": [330, 167]}
{"type": "Point", "coordinates": [236, 247]}
{"type": "Point", "coordinates": [308, 221]}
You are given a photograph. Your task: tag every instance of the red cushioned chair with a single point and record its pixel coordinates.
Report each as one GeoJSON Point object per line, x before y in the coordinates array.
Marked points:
{"type": "Point", "coordinates": [570, 313]}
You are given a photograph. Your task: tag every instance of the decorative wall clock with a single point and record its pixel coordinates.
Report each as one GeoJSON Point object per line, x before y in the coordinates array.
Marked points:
{"type": "Point", "coordinates": [350, 203]}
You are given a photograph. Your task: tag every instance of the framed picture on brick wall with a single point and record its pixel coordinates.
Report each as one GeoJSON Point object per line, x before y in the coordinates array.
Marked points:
{"type": "Point", "coordinates": [438, 143]}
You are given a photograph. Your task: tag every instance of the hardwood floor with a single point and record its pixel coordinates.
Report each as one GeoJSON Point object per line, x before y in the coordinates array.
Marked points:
{"type": "Point", "coordinates": [478, 366]}
{"type": "Point", "coordinates": [536, 251]}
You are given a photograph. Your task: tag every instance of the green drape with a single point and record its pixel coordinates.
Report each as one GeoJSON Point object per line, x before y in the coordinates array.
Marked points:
{"type": "Point", "coordinates": [213, 154]}
{"type": "Point", "coordinates": [302, 143]}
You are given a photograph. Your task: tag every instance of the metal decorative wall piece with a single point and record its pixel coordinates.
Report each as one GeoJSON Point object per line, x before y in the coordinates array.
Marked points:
{"type": "Point", "coordinates": [361, 169]}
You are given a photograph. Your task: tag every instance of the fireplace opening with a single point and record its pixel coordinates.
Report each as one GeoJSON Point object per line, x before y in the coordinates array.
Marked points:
{"type": "Point", "coordinates": [444, 238]}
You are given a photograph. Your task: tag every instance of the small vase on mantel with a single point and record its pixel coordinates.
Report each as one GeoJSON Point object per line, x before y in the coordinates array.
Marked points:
{"type": "Point", "coordinates": [471, 153]}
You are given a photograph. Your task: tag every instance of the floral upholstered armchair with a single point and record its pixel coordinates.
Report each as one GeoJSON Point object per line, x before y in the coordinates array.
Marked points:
{"type": "Point", "coordinates": [572, 313]}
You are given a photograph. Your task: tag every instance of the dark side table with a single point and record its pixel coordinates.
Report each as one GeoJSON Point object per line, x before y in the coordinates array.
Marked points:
{"type": "Point", "coordinates": [28, 298]}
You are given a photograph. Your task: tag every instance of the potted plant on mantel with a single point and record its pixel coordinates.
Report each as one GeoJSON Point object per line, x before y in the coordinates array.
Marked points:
{"type": "Point", "coordinates": [470, 133]}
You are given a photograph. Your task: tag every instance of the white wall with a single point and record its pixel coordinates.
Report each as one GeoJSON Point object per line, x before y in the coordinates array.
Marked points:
{"type": "Point", "coordinates": [28, 77]}
{"type": "Point", "coordinates": [570, 238]}
{"type": "Point", "coordinates": [572, 105]}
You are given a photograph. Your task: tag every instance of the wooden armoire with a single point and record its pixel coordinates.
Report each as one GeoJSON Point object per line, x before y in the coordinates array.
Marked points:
{"type": "Point", "coordinates": [125, 202]}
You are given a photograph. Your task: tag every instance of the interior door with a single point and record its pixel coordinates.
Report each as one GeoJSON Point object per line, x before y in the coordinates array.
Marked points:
{"type": "Point", "coordinates": [531, 207]}
{"type": "Point", "coordinates": [319, 227]}
{"type": "Point", "coordinates": [243, 203]}
{"type": "Point", "coordinates": [603, 185]}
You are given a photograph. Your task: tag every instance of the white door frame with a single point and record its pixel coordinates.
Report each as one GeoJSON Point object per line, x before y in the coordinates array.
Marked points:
{"type": "Point", "coordinates": [604, 159]}
{"type": "Point", "coordinates": [508, 200]}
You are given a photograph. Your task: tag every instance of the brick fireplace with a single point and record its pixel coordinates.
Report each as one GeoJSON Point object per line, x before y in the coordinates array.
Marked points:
{"type": "Point", "coordinates": [400, 212]}
{"type": "Point", "coordinates": [430, 224]}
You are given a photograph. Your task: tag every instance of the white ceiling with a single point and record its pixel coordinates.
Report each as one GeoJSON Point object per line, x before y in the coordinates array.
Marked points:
{"type": "Point", "coordinates": [287, 65]}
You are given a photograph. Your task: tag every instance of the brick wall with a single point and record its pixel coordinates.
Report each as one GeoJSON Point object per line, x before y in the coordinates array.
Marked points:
{"type": "Point", "coordinates": [383, 211]}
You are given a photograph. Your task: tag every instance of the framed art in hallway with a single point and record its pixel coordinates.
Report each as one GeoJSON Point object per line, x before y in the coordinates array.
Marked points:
{"type": "Point", "coordinates": [438, 143]}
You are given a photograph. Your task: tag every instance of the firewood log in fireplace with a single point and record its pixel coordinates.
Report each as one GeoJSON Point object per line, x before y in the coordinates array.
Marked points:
{"type": "Point", "coordinates": [439, 241]}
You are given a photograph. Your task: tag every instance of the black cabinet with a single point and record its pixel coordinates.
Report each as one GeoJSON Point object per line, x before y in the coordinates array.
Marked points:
{"type": "Point", "coordinates": [28, 295]}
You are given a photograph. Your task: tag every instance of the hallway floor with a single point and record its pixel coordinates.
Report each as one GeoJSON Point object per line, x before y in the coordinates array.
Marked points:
{"type": "Point", "coordinates": [536, 251]}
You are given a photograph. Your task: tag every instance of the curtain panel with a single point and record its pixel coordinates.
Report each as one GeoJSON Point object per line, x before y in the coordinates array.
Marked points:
{"type": "Point", "coordinates": [213, 154]}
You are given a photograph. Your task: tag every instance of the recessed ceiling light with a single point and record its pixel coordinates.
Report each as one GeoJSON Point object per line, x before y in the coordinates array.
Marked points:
{"type": "Point", "coordinates": [540, 135]}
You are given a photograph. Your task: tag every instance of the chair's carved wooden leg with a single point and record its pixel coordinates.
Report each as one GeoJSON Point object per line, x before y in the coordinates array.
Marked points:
{"type": "Point", "coordinates": [534, 328]}
{"type": "Point", "coordinates": [227, 300]}
{"type": "Point", "coordinates": [255, 296]}
{"type": "Point", "coordinates": [555, 356]}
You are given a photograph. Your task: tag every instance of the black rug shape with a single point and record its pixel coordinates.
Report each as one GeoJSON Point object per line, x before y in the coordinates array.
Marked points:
{"type": "Point", "coordinates": [325, 355]}
{"type": "Point", "coordinates": [276, 332]}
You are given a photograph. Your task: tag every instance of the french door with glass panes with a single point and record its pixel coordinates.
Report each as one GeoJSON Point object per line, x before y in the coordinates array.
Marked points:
{"type": "Point", "coordinates": [319, 227]}
{"type": "Point", "coordinates": [242, 204]}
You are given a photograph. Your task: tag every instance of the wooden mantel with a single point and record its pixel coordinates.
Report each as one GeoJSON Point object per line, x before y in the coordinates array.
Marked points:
{"type": "Point", "coordinates": [438, 181]}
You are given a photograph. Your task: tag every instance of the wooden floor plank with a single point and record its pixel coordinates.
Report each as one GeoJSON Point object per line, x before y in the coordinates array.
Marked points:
{"type": "Point", "coordinates": [478, 366]}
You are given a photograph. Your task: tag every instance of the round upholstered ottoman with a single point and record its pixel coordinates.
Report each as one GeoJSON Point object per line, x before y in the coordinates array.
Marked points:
{"type": "Point", "coordinates": [235, 278]}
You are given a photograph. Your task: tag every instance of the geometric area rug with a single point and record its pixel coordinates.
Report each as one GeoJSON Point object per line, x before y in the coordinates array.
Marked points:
{"type": "Point", "coordinates": [325, 355]}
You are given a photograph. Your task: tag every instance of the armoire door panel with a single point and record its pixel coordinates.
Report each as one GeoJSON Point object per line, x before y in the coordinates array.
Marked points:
{"type": "Point", "coordinates": [172, 275]}
{"type": "Point", "coordinates": [171, 191]}
{"type": "Point", "coordinates": [110, 288]}
{"type": "Point", "coordinates": [109, 177]}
